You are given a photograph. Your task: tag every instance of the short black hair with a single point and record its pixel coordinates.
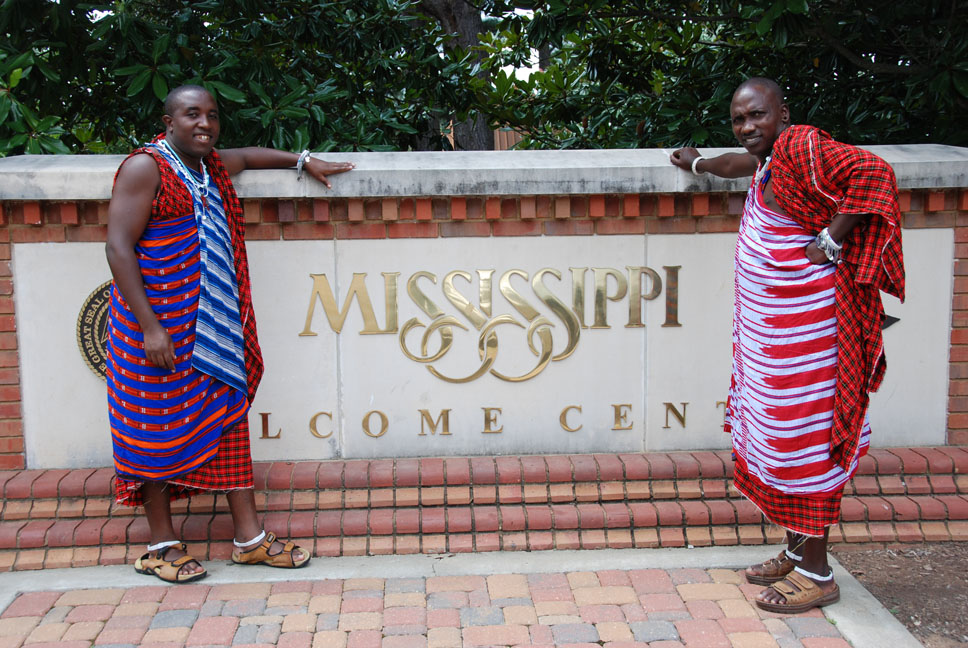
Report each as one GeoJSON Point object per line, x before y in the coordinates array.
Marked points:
{"type": "Point", "coordinates": [171, 100]}
{"type": "Point", "coordinates": [764, 83]}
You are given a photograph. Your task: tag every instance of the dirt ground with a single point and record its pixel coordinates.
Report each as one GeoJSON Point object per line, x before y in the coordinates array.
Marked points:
{"type": "Point", "coordinates": [925, 586]}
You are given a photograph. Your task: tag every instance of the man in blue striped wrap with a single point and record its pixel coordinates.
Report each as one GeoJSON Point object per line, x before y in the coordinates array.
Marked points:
{"type": "Point", "coordinates": [184, 359]}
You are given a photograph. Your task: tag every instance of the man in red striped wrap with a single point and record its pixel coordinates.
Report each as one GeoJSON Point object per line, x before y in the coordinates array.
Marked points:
{"type": "Point", "coordinates": [819, 239]}
{"type": "Point", "coordinates": [184, 359]}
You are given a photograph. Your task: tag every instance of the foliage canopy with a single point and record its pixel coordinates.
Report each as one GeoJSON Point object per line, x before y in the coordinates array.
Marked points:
{"type": "Point", "coordinates": [392, 74]}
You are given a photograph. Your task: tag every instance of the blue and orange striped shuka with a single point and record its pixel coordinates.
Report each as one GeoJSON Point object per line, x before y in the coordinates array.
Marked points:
{"type": "Point", "coordinates": [186, 428]}
{"type": "Point", "coordinates": [807, 344]}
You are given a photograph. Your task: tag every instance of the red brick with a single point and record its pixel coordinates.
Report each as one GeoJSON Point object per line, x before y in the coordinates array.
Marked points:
{"type": "Point", "coordinates": [559, 468]}
{"type": "Point", "coordinates": [571, 227]}
{"type": "Point", "coordinates": [591, 516]}
{"type": "Point", "coordinates": [938, 462]}
{"type": "Point", "coordinates": [671, 537]}
{"type": "Point", "coordinates": [517, 228]}
{"type": "Point", "coordinates": [636, 466]}
{"type": "Point", "coordinates": [458, 208]}
{"type": "Point", "coordinates": [286, 210]}
{"type": "Point", "coordinates": [492, 208]}
{"type": "Point", "coordinates": [578, 207]}
{"type": "Point", "coordinates": [358, 231]}
{"type": "Point", "coordinates": [562, 207]}
{"type": "Point", "coordinates": [464, 229]}
{"type": "Point", "coordinates": [408, 472]}
{"type": "Point", "coordinates": [609, 467]}
{"type": "Point", "coordinates": [596, 206]}
{"type": "Point", "coordinates": [935, 201]}
{"type": "Point", "coordinates": [320, 210]}
{"type": "Point", "coordinates": [412, 230]}
{"type": "Point", "coordinates": [264, 232]}
{"type": "Point", "coordinates": [661, 466]}
{"type": "Point", "coordinates": [667, 205]}
{"type": "Point", "coordinates": [424, 209]}
{"type": "Point", "coordinates": [354, 210]}
{"type": "Point", "coordinates": [585, 468]}
{"type": "Point", "coordinates": [485, 518]}
{"type": "Point", "coordinates": [746, 512]}
{"type": "Point", "coordinates": [432, 520]}
{"type": "Point", "coordinates": [942, 484]}
{"type": "Point", "coordinates": [700, 204]}
{"type": "Point", "coordinates": [909, 532]}
{"type": "Point", "coordinates": [457, 471]}
{"type": "Point", "coordinates": [644, 514]}
{"type": "Point", "coordinates": [483, 470]}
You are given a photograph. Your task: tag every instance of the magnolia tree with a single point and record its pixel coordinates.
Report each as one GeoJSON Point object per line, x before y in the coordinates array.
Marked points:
{"type": "Point", "coordinates": [434, 74]}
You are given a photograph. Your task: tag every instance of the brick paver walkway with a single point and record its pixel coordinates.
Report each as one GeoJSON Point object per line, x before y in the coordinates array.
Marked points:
{"type": "Point", "coordinates": [661, 608]}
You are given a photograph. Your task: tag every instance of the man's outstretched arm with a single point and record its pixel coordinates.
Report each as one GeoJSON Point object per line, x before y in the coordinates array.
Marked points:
{"type": "Point", "coordinates": [727, 165]}
{"type": "Point", "coordinates": [254, 157]}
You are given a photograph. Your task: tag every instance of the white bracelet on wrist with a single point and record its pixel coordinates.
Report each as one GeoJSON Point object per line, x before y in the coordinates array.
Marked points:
{"type": "Point", "coordinates": [695, 170]}
{"type": "Point", "coordinates": [300, 163]}
{"type": "Point", "coordinates": [829, 246]}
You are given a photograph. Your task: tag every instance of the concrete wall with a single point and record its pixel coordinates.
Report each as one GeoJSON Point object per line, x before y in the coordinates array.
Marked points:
{"type": "Point", "coordinates": [566, 247]}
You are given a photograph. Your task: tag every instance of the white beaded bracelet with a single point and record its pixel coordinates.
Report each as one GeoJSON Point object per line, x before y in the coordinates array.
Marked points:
{"type": "Point", "coordinates": [300, 163]}
{"type": "Point", "coordinates": [696, 171]}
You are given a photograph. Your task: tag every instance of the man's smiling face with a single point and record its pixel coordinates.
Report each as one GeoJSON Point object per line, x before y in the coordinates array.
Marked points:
{"type": "Point", "coordinates": [192, 128]}
{"type": "Point", "coordinates": [758, 117]}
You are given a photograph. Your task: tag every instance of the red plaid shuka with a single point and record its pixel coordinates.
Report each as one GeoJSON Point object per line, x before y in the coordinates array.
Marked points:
{"type": "Point", "coordinates": [814, 179]}
{"type": "Point", "coordinates": [231, 467]}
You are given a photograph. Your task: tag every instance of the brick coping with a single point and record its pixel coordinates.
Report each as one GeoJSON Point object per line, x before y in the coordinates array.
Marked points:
{"type": "Point", "coordinates": [59, 518]}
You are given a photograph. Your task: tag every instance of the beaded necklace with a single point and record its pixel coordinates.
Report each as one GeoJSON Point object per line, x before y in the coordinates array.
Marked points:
{"type": "Point", "coordinates": [201, 188]}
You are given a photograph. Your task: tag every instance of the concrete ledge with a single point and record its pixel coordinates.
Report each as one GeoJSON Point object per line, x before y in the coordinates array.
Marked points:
{"type": "Point", "coordinates": [483, 173]}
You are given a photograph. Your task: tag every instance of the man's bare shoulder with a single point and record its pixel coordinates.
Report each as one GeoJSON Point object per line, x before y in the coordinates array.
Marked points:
{"type": "Point", "coordinates": [139, 169]}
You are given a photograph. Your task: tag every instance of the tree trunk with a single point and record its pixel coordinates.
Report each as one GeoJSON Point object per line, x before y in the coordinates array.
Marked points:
{"type": "Point", "coordinates": [464, 21]}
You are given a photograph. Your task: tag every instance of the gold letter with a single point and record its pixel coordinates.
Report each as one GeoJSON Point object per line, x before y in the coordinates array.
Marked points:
{"type": "Point", "coordinates": [312, 425]}
{"type": "Point", "coordinates": [635, 293]}
{"type": "Point", "coordinates": [620, 417]}
{"type": "Point", "coordinates": [337, 317]}
{"type": "Point", "coordinates": [559, 308]}
{"type": "Point", "coordinates": [601, 294]}
{"type": "Point", "coordinates": [578, 294]}
{"type": "Point", "coordinates": [443, 419]}
{"type": "Point", "coordinates": [563, 419]}
{"type": "Point", "coordinates": [672, 296]}
{"type": "Point", "coordinates": [265, 427]}
{"type": "Point", "coordinates": [461, 303]}
{"type": "Point", "coordinates": [490, 418]}
{"type": "Point", "coordinates": [680, 416]}
{"type": "Point", "coordinates": [384, 423]}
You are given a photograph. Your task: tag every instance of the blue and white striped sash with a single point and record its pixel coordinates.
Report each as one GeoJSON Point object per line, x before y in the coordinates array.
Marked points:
{"type": "Point", "coordinates": [219, 347]}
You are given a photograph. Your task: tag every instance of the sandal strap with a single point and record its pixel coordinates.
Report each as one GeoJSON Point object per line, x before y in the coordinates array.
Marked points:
{"type": "Point", "coordinates": [260, 552]}
{"type": "Point", "coordinates": [796, 588]}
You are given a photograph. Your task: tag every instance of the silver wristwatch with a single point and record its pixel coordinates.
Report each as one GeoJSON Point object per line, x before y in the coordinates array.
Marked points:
{"type": "Point", "coordinates": [828, 246]}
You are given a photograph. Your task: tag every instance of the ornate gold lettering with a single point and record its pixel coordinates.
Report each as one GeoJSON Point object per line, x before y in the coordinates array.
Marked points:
{"type": "Point", "coordinates": [519, 303]}
{"type": "Point", "coordinates": [558, 307]}
{"type": "Point", "coordinates": [563, 419]}
{"type": "Point", "coordinates": [312, 425]}
{"type": "Point", "coordinates": [637, 295]}
{"type": "Point", "coordinates": [484, 278]}
{"type": "Point", "coordinates": [337, 316]}
{"type": "Point", "coordinates": [542, 327]}
{"type": "Point", "coordinates": [265, 427]}
{"type": "Point", "coordinates": [461, 303]}
{"type": "Point", "coordinates": [622, 412]}
{"type": "Point", "coordinates": [672, 296]}
{"type": "Point", "coordinates": [419, 297]}
{"type": "Point", "coordinates": [443, 420]}
{"type": "Point", "coordinates": [578, 294]}
{"type": "Point", "coordinates": [601, 294]}
{"type": "Point", "coordinates": [680, 416]}
{"type": "Point", "coordinates": [490, 419]}
{"type": "Point", "coordinates": [384, 424]}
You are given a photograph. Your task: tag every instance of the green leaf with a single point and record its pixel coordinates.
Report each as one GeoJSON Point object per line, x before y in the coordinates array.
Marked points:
{"type": "Point", "coordinates": [139, 82]}
{"type": "Point", "coordinates": [159, 86]}
{"type": "Point", "coordinates": [228, 92]}
{"type": "Point", "coordinates": [15, 76]}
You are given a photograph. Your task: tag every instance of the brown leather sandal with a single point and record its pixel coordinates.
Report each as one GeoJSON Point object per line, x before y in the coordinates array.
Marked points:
{"type": "Point", "coordinates": [168, 570]}
{"type": "Point", "coordinates": [261, 556]}
{"type": "Point", "coordinates": [771, 571]}
{"type": "Point", "coordinates": [800, 594]}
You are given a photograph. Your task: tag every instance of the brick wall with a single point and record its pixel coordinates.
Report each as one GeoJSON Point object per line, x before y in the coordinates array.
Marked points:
{"type": "Point", "coordinates": [460, 216]}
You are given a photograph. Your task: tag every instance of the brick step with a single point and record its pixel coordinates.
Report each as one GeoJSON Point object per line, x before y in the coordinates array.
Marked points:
{"type": "Point", "coordinates": [480, 504]}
